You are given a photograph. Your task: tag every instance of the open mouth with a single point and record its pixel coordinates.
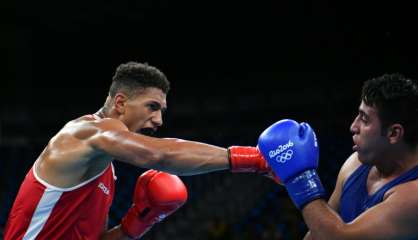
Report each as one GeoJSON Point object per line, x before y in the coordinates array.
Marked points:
{"type": "Point", "coordinates": [147, 131]}
{"type": "Point", "coordinates": [355, 148]}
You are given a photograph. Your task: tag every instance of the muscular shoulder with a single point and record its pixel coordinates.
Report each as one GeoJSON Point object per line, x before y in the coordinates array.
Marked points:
{"type": "Point", "coordinates": [100, 134]}
{"type": "Point", "coordinates": [408, 188]}
{"type": "Point", "coordinates": [69, 157]}
{"type": "Point", "coordinates": [405, 201]}
{"type": "Point", "coordinates": [83, 132]}
{"type": "Point", "coordinates": [106, 124]}
{"type": "Point", "coordinates": [349, 166]}
{"type": "Point", "coordinates": [87, 126]}
{"type": "Point", "coordinates": [404, 190]}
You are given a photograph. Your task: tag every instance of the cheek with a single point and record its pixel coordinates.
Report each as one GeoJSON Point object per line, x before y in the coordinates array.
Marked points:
{"type": "Point", "coordinates": [368, 132]}
{"type": "Point", "coordinates": [136, 114]}
{"type": "Point", "coordinates": [135, 119]}
{"type": "Point", "coordinates": [139, 120]}
{"type": "Point", "coordinates": [375, 143]}
{"type": "Point", "coordinates": [366, 138]}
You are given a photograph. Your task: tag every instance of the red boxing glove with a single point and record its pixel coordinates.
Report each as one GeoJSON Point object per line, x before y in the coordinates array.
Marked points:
{"type": "Point", "coordinates": [157, 195]}
{"type": "Point", "coordinates": [249, 159]}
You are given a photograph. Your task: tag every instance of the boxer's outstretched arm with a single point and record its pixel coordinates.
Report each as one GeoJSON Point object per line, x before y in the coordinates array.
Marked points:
{"type": "Point", "coordinates": [176, 156]}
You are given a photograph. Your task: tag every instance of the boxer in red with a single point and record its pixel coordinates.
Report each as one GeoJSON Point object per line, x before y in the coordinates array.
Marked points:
{"type": "Point", "coordinates": [69, 189]}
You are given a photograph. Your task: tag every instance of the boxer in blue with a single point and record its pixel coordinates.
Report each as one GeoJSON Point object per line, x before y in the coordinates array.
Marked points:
{"type": "Point", "coordinates": [376, 194]}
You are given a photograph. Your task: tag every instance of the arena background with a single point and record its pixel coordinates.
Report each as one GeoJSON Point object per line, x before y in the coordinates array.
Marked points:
{"type": "Point", "coordinates": [235, 68]}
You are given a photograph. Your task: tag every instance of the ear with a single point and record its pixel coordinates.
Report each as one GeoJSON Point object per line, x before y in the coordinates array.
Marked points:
{"type": "Point", "coordinates": [395, 133]}
{"type": "Point", "coordinates": [120, 102]}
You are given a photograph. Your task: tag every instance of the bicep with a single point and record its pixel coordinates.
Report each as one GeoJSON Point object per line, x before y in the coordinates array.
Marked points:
{"type": "Point", "coordinates": [128, 147]}
{"type": "Point", "coordinates": [334, 200]}
{"type": "Point", "coordinates": [112, 138]}
{"type": "Point", "coordinates": [115, 140]}
{"type": "Point", "coordinates": [346, 170]}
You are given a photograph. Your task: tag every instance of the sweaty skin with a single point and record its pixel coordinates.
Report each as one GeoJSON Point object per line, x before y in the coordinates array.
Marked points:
{"type": "Point", "coordinates": [84, 147]}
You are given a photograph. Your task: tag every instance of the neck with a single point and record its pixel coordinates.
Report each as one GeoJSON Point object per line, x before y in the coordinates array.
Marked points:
{"type": "Point", "coordinates": [104, 112]}
{"type": "Point", "coordinates": [101, 113]}
{"type": "Point", "coordinates": [397, 162]}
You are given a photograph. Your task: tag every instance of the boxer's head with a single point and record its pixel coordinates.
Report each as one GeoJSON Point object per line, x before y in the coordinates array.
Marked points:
{"type": "Point", "coordinates": [388, 117]}
{"type": "Point", "coordinates": [137, 96]}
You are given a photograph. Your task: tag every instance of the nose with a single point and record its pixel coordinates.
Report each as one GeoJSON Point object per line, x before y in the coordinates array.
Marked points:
{"type": "Point", "coordinates": [354, 126]}
{"type": "Point", "coordinates": [157, 119]}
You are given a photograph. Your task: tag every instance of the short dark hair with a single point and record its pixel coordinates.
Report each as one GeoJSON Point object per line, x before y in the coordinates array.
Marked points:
{"type": "Point", "coordinates": [133, 77]}
{"type": "Point", "coordinates": [396, 100]}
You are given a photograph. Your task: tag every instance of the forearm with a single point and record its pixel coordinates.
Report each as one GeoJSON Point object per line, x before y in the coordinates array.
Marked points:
{"type": "Point", "coordinates": [323, 222]}
{"type": "Point", "coordinates": [115, 233]}
{"type": "Point", "coordinates": [175, 156]}
{"type": "Point", "coordinates": [182, 157]}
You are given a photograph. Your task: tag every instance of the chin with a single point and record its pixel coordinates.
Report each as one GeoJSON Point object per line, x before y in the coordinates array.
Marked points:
{"type": "Point", "coordinates": [365, 159]}
{"type": "Point", "coordinates": [365, 162]}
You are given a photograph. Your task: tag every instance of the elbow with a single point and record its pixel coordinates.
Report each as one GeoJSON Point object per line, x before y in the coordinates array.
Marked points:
{"type": "Point", "coordinates": [165, 159]}
{"type": "Point", "coordinates": [163, 156]}
{"type": "Point", "coordinates": [336, 232]}
{"type": "Point", "coordinates": [150, 159]}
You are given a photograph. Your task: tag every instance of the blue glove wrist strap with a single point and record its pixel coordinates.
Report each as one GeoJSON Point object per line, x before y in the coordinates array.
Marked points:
{"type": "Point", "coordinates": [305, 188]}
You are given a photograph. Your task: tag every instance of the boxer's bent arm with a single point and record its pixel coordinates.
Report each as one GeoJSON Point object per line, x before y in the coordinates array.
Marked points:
{"type": "Point", "coordinates": [175, 156]}
{"type": "Point", "coordinates": [346, 170]}
{"type": "Point", "coordinates": [333, 202]}
{"type": "Point", "coordinates": [394, 218]}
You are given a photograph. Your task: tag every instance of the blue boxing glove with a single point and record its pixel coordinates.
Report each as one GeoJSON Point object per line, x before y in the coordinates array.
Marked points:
{"type": "Point", "coordinates": [291, 149]}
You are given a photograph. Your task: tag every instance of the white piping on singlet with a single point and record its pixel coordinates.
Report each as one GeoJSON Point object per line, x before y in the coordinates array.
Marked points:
{"type": "Point", "coordinates": [44, 208]}
{"type": "Point", "coordinates": [47, 202]}
{"type": "Point", "coordinates": [43, 182]}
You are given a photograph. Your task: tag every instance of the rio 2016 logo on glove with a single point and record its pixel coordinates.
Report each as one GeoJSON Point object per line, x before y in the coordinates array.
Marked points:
{"type": "Point", "coordinates": [280, 155]}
